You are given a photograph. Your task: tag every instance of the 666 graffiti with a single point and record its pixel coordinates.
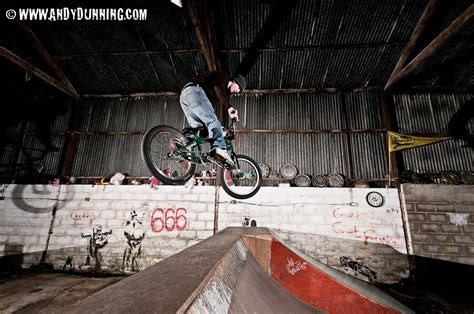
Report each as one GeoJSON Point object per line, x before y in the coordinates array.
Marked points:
{"type": "Point", "coordinates": [168, 219]}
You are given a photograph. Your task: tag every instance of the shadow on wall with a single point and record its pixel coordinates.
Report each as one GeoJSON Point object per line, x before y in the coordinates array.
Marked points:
{"type": "Point", "coordinates": [79, 259]}
{"type": "Point", "coordinates": [13, 255]}
{"type": "Point", "coordinates": [438, 287]}
{"type": "Point", "coordinates": [458, 125]}
{"type": "Point", "coordinates": [42, 113]}
{"type": "Point", "coordinates": [444, 274]}
{"type": "Point", "coordinates": [41, 191]}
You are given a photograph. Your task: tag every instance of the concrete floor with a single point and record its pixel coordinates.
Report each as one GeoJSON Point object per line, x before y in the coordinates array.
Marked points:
{"type": "Point", "coordinates": [32, 292]}
{"type": "Point", "coordinates": [24, 291]}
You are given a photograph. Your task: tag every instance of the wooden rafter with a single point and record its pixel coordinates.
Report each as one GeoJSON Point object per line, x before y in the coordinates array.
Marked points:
{"type": "Point", "coordinates": [203, 40]}
{"type": "Point", "coordinates": [438, 42]}
{"type": "Point", "coordinates": [46, 57]}
{"type": "Point", "coordinates": [420, 26]}
{"type": "Point", "coordinates": [10, 56]}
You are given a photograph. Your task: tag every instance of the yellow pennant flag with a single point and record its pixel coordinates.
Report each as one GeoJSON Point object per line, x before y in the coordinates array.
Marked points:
{"type": "Point", "coordinates": [397, 141]}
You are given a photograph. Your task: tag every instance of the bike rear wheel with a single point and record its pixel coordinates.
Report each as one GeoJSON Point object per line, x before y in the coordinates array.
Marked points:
{"type": "Point", "coordinates": [244, 180]}
{"type": "Point", "coordinates": [158, 147]}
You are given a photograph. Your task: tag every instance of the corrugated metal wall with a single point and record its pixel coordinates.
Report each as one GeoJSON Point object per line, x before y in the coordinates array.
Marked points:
{"type": "Point", "coordinates": [319, 133]}
{"type": "Point", "coordinates": [307, 130]}
{"type": "Point", "coordinates": [50, 161]}
{"type": "Point", "coordinates": [431, 113]}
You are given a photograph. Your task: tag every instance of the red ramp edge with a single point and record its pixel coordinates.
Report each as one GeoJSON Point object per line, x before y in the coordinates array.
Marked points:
{"type": "Point", "coordinates": [316, 287]}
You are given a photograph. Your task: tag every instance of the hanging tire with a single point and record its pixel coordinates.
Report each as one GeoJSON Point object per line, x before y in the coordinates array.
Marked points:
{"type": "Point", "coordinates": [245, 180]}
{"type": "Point", "coordinates": [157, 145]}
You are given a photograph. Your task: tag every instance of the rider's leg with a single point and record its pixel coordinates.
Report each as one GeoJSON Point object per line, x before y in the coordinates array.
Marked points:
{"type": "Point", "coordinates": [198, 109]}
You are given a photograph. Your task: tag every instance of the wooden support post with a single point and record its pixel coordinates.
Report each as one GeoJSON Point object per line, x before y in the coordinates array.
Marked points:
{"type": "Point", "coordinates": [389, 123]}
{"type": "Point", "coordinates": [67, 159]}
{"type": "Point", "coordinates": [438, 42]}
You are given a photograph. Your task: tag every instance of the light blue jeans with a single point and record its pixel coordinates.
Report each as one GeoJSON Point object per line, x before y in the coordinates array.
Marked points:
{"type": "Point", "coordinates": [199, 112]}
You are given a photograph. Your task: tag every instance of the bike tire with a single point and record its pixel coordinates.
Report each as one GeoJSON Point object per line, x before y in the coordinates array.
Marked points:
{"type": "Point", "coordinates": [149, 155]}
{"type": "Point", "coordinates": [256, 171]}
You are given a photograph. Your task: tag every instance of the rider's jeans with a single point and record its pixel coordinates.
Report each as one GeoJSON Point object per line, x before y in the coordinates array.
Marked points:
{"type": "Point", "coordinates": [198, 111]}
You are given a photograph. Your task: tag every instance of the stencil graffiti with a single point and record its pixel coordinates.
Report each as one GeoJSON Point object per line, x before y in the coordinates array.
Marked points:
{"type": "Point", "coordinates": [97, 240]}
{"type": "Point", "coordinates": [356, 267]}
{"type": "Point", "coordinates": [69, 264]}
{"type": "Point", "coordinates": [294, 267]}
{"type": "Point", "coordinates": [134, 234]}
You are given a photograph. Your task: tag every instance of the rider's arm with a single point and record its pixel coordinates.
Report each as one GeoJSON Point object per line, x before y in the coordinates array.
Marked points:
{"type": "Point", "coordinates": [222, 96]}
{"type": "Point", "coordinates": [220, 81]}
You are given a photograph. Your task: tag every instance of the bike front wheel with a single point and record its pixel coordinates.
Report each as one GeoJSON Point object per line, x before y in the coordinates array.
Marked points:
{"type": "Point", "coordinates": [244, 180]}
{"type": "Point", "coordinates": [159, 146]}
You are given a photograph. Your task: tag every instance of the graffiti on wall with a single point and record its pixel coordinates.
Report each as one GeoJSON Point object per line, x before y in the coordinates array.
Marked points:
{"type": "Point", "coordinates": [355, 266]}
{"type": "Point", "coordinates": [364, 225]}
{"type": "Point", "coordinates": [81, 215]}
{"type": "Point", "coordinates": [162, 220]}
{"type": "Point", "coordinates": [97, 241]}
{"type": "Point", "coordinates": [134, 233]}
{"type": "Point", "coordinates": [293, 267]}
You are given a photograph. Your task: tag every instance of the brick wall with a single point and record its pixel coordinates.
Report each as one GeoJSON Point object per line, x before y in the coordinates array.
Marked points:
{"type": "Point", "coordinates": [120, 229]}
{"type": "Point", "coordinates": [441, 220]}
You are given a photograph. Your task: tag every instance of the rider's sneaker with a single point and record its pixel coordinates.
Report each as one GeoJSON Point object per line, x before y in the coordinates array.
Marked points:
{"type": "Point", "coordinates": [221, 155]}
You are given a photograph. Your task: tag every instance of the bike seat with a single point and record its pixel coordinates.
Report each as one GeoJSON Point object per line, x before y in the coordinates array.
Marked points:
{"type": "Point", "coordinates": [192, 132]}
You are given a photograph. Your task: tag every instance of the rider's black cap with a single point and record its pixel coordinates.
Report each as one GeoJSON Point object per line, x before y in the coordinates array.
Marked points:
{"type": "Point", "coordinates": [240, 80]}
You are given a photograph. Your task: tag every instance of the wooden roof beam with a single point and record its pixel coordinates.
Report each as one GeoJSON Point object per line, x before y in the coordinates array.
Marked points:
{"type": "Point", "coordinates": [10, 56]}
{"type": "Point", "coordinates": [46, 57]}
{"type": "Point", "coordinates": [204, 41]}
{"type": "Point", "coordinates": [438, 42]}
{"type": "Point", "coordinates": [414, 38]}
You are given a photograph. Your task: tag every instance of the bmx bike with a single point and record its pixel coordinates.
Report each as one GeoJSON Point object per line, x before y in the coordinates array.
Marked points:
{"type": "Point", "coordinates": [172, 157]}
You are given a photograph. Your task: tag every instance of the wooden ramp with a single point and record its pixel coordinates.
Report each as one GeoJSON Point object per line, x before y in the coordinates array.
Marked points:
{"type": "Point", "coordinates": [238, 270]}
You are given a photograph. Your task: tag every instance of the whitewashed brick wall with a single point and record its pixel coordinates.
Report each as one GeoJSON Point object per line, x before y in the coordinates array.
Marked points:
{"type": "Point", "coordinates": [330, 224]}
{"type": "Point", "coordinates": [327, 224]}
{"type": "Point", "coordinates": [27, 214]}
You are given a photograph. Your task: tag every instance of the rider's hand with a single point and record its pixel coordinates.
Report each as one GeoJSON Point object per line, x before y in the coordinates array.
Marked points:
{"type": "Point", "coordinates": [233, 114]}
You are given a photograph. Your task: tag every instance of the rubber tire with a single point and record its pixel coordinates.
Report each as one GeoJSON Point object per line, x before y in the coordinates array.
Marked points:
{"type": "Point", "coordinates": [239, 196]}
{"type": "Point", "coordinates": [145, 147]}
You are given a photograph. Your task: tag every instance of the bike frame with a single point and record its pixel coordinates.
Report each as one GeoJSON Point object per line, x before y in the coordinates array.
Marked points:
{"type": "Point", "coordinates": [186, 153]}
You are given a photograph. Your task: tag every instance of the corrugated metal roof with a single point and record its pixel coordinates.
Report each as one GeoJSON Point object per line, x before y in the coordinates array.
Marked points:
{"type": "Point", "coordinates": [346, 68]}
{"type": "Point", "coordinates": [166, 26]}
{"type": "Point", "coordinates": [323, 22]}
{"type": "Point", "coordinates": [118, 74]}
{"type": "Point", "coordinates": [355, 44]}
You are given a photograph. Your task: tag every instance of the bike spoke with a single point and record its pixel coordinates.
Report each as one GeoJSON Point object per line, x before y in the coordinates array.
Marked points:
{"type": "Point", "coordinates": [162, 148]}
{"type": "Point", "coordinates": [244, 180]}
